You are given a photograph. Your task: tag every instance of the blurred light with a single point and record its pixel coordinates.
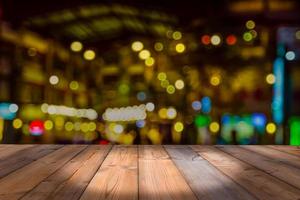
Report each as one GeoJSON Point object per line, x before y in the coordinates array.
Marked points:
{"type": "Point", "coordinates": [259, 120]}
{"type": "Point", "coordinates": [214, 127]}
{"type": "Point", "coordinates": [180, 48]}
{"type": "Point", "coordinates": [92, 126]}
{"type": "Point", "coordinates": [76, 46]}
{"type": "Point", "coordinates": [179, 84]}
{"type": "Point", "coordinates": [144, 54]}
{"type": "Point", "coordinates": [129, 113]}
{"type": "Point", "coordinates": [77, 126]}
{"type": "Point", "coordinates": [124, 88]}
{"type": "Point", "coordinates": [13, 108]}
{"type": "Point", "coordinates": [140, 123]}
{"type": "Point", "coordinates": [202, 120]}
{"type": "Point", "coordinates": [53, 80]}
{"type": "Point", "coordinates": [84, 127]}
{"type": "Point", "coordinates": [48, 125]}
{"type": "Point", "coordinates": [5, 111]}
{"type": "Point", "coordinates": [253, 33]}
{"type": "Point", "coordinates": [270, 78]}
{"type": "Point", "coordinates": [36, 127]}
{"type": "Point", "coordinates": [297, 35]}
{"type": "Point", "coordinates": [290, 55]}
{"type": "Point", "coordinates": [177, 35]}
{"type": "Point", "coordinates": [278, 91]}
{"type": "Point", "coordinates": [118, 128]}
{"type": "Point", "coordinates": [74, 85]}
{"type": "Point", "coordinates": [59, 122]}
{"type": "Point", "coordinates": [295, 131]}
{"type": "Point", "coordinates": [205, 39]}
{"type": "Point", "coordinates": [149, 61]}
{"type": "Point", "coordinates": [69, 126]}
{"type": "Point", "coordinates": [164, 83]}
{"type": "Point", "coordinates": [163, 113]}
{"type": "Point", "coordinates": [137, 46]}
{"type": "Point", "coordinates": [231, 40]}
{"type": "Point", "coordinates": [89, 55]}
{"type": "Point", "coordinates": [215, 80]}
{"type": "Point", "coordinates": [206, 104]}
{"type": "Point", "coordinates": [158, 46]}
{"type": "Point", "coordinates": [178, 126]}
{"type": "Point", "coordinates": [196, 105]}
{"type": "Point", "coordinates": [141, 96]}
{"type": "Point", "coordinates": [162, 76]}
{"type": "Point", "coordinates": [170, 89]}
{"type": "Point", "coordinates": [44, 108]}
{"type": "Point", "coordinates": [215, 40]}
{"type": "Point", "coordinates": [247, 36]}
{"type": "Point", "coordinates": [271, 128]}
{"type": "Point", "coordinates": [250, 24]}
{"type": "Point", "coordinates": [32, 52]}
{"type": "Point", "coordinates": [171, 113]}
{"type": "Point", "coordinates": [150, 106]}
{"type": "Point", "coordinates": [17, 123]}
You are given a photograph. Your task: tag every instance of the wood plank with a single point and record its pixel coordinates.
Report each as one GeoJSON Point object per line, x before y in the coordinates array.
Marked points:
{"type": "Point", "coordinates": [16, 184]}
{"type": "Point", "coordinates": [23, 157]}
{"type": "Point", "coordinates": [205, 180]}
{"type": "Point", "coordinates": [257, 182]}
{"type": "Point", "coordinates": [159, 178]}
{"type": "Point", "coordinates": [9, 150]}
{"type": "Point", "coordinates": [275, 155]}
{"type": "Point", "coordinates": [69, 181]}
{"type": "Point", "coordinates": [117, 177]}
{"type": "Point", "coordinates": [288, 149]}
{"type": "Point", "coordinates": [284, 172]}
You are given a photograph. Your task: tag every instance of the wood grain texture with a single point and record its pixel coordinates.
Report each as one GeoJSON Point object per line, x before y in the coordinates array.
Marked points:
{"type": "Point", "coordinates": [70, 181]}
{"type": "Point", "coordinates": [16, 184]}
{"type": "Point", "coordinates": [9, 150]}
{"type": "Point", "coordinates": [23, 157]}
{"type": "Point", "coordinates": [257, 182]}
{"type": "Point", "coordinates": [294, 150]}
{"type": "Point", "coordinates": [207, 182]}
{"type": "Point", "coordinates": [280, 170]}
{"type": "Point", "coordinates": [117, 177]}
{"type": "Point", "coordinates": [275, 155]}
{"type": "Point", "coordinates": [159, 178]}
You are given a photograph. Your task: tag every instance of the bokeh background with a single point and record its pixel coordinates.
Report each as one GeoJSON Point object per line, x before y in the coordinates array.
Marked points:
{"type": "Point", "coordinates": [150, 72]}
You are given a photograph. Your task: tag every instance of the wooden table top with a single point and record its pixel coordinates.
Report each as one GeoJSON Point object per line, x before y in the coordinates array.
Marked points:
{"type": "Point", "coordinates": [97, 172]}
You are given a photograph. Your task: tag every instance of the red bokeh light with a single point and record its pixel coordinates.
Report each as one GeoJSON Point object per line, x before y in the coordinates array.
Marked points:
{"type": "Point", "coordinates": [231, 39]}
{"type": "Point", "coordinates": [205, 39]}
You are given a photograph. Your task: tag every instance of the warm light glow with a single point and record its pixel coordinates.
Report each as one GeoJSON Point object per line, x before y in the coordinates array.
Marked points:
{"type": "Point", "coordinates": [180, 48]}
{"type": "Point", "coordinates": [74, 85]}
{"type": "Point", "coordinates": [137, 46]}
{"type": "Point", "coordinates": [170, 89]}
{"type": "Point", "coordinates": [118, 128]}
{"type": "Point", "coordinates": [271, 128]}
{"type": "Point", "coordinates": [178, 126]}
{"type": "Point", "coordinates": [270, 78]}
{"type": "Point", "coordinates": [144, 54]}
{"type": "Point", "coordinates": [76, 46]}
{"type": "Point", "coordinates": [53, 80]}
{"type": "Point", "coordinates": [69, 126]}
{"type": "Point", "coordinates": [89, 55]}
{"type": "Point", "coordinates": [17, 123]}
{"type": "Point", "coordinates": [177, 35]}
{"type": "Point", "coordinates": [150, 106]}
{"type": "Point", "coordinates": [297, 35]}
{"type": "Point", "coordinates": [215, 40]}
{"type": "Point", "coordinates": [163, 113]}
{"type": "Point", "coordinates": [48, 125]}
{"type": "Point", "coordinates": [179, 84]}
{"type": "Point", "coordinates": [214, 127]}
{"type": "Point", "coordinates": [215, 80]}
{"type": "Point", "coordinates": [158, 46]}
{"type": "Point", "coordinates": [231, 40]}
{"type": "Point", "coordinates": [149, 62]}
{"type": "Point", "coordinates": [205, 39]}
{"type": "Point", "coordinates": [250, 24]}
{"type": "Point", "coordinates": [162, 76]}
{"type": "Point", "coordinates": [247, 36]}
